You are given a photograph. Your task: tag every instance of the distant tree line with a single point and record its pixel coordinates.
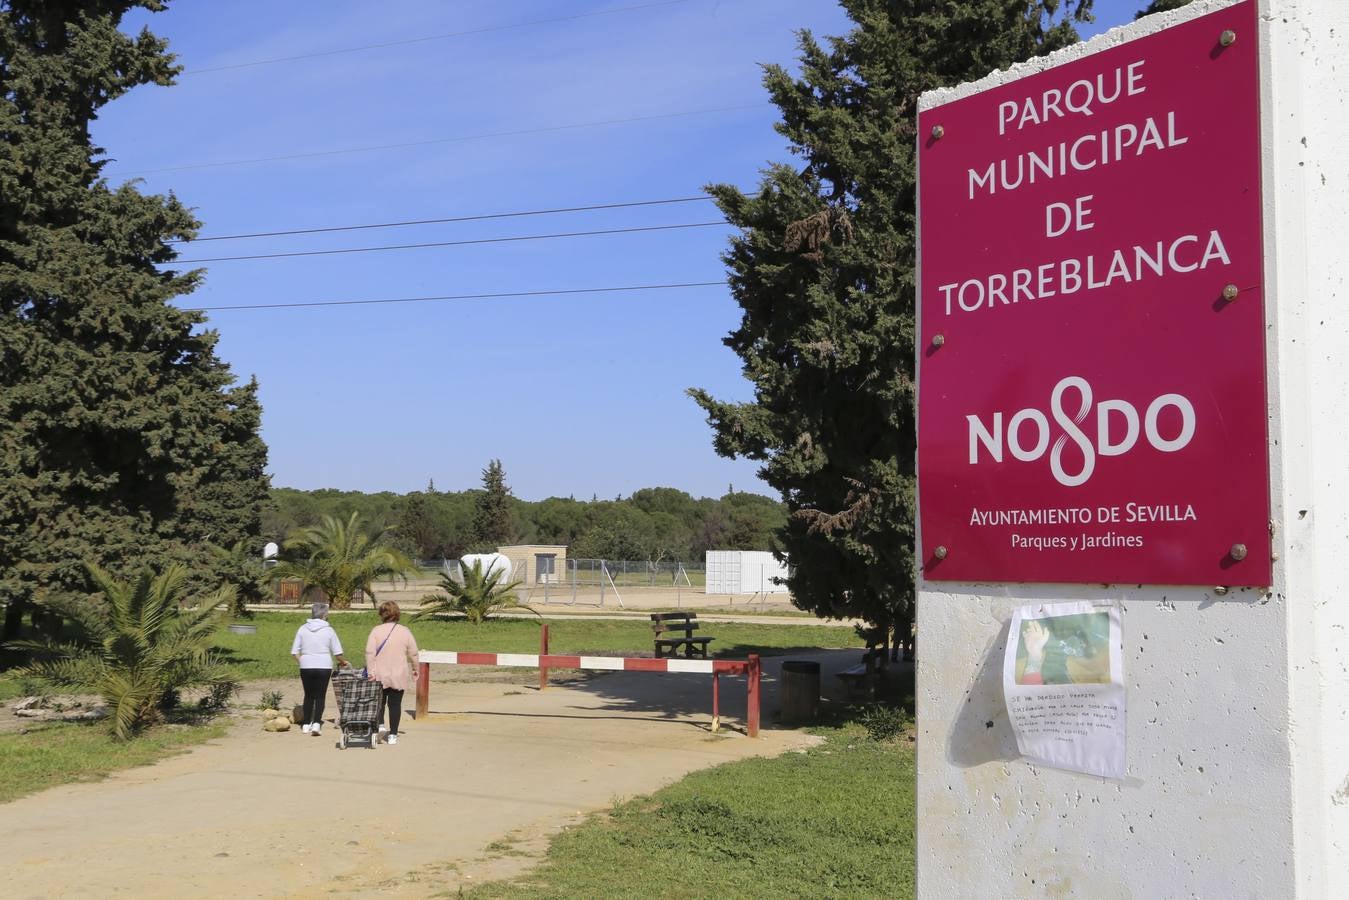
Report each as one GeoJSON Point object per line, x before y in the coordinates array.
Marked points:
{"type": "Point", "coordinates": [654, 524]}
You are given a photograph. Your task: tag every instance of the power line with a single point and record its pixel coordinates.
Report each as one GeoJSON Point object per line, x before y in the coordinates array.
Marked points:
{"type": "Point", "coordinates": [494, 296]}
{"type": "Point", "coordinates": [499, 240]}
{"type": "Point", "coordinates": [431, 37]}
{"type": "Point", "coordinates": [449, 140]}
{"type": "Point", "coordinates": [479, 218]}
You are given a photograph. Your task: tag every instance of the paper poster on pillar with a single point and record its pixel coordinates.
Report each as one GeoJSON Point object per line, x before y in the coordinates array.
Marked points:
{"type": "Point", "coordinates": [1063, 679]}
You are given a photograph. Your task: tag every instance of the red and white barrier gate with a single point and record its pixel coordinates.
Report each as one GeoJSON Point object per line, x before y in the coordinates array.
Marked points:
{"type": "Point", "coordinates": [545, 661]}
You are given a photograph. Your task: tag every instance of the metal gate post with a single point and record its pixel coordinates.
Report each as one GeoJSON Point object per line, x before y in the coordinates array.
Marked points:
{"type": "Point", "coordinates": [752, 690]}
{"type": "Point", "coordinates": [543, 651]}
{"type": "Point", "coordinates": [423, 689]}
{"type": "Point", "coordinates": [716, 701]}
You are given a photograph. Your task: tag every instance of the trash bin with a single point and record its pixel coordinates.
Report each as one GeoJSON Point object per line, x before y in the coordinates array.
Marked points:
{"type": "Point", "coordinates": [799, 691]}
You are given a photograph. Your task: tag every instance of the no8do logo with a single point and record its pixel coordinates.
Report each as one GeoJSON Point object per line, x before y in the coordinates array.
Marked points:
{"type": "Point", "coordinates": [1109, 414]}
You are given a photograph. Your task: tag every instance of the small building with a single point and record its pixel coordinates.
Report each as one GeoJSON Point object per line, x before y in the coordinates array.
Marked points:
{"type": "Point", "coordinates": [745, 572]}
{"type": "Point", "coordinates": [537, 563]}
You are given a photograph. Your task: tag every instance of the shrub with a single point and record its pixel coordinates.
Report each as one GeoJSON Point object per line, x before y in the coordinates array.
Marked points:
{"type": "Point", "coordinates": [883, 722]}
{"type": "Point", "coordinates": [141, 652]}
{"type": "Point", "coordinates": [218, 696]}
{"type": "Point", "coordinates": [477, 597]}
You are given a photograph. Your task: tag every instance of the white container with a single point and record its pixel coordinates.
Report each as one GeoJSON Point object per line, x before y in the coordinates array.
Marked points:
{"type": "Point", "coordinates": [745, 572]}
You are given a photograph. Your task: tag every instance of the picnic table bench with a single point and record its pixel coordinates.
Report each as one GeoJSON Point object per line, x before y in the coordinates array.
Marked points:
{"type": "Point", "coordinates": [682, 622]}
{"type": "Point", "coordinates": [861, 679]}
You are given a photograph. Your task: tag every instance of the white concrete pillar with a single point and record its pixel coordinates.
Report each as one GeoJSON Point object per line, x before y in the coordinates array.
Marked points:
{"type": "Point", "coordinates": [1238, 702]}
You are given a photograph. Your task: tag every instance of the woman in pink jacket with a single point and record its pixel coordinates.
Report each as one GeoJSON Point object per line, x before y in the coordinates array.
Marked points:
{"type": "Point", "coordinates": [391, 658]}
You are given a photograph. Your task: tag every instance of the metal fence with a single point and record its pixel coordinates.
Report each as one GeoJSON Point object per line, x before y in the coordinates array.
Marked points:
{"type": "Point", "coordinates": [635, 573]}
{"type": "Point", "coordinates": [596, 582]}
{"type": "Point", "coordinates": [622, 572]}
{"type": "Point", "coordinates": [602, 581]}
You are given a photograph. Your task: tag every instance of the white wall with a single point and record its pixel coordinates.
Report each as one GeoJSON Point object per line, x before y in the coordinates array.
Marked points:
{"type": "Point", "coordinates": [1238, 728]}
{"type": "Point", "coordinates": [744, 572]}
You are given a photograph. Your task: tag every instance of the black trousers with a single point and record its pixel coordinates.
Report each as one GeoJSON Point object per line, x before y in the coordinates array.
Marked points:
{"type": "Point", "coordinates": [393, 702]}
{"type": "Point", "coordinates": [315, 683]}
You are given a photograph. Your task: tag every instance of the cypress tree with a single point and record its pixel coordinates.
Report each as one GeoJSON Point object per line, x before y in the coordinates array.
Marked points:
{"type": "Point", "coordinates": [823, 268]}
{"type": "Point", "coordinates": [493, 518]}
{"type": "Point", "coordinates": [125, 442]}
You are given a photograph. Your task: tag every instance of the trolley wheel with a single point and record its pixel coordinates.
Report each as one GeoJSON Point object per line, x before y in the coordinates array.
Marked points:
{"type": "Point", "coordinates": [343, 742]}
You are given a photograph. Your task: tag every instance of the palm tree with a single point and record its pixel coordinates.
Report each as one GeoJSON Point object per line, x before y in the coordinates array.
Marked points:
{"type": "Point", "coordinates": [341, 560]}
{"type": "Point", "coordinates": [477, 596]}
{"type": "Point", "coordinates": [140, 650]}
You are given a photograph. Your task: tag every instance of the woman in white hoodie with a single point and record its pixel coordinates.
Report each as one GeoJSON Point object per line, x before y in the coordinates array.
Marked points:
{"type": "Point", "coordinates": [315, 646]}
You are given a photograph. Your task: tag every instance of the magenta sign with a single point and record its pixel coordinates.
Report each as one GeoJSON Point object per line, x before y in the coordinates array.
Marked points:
{"type": "Point", "coordinates": [1092, 401]}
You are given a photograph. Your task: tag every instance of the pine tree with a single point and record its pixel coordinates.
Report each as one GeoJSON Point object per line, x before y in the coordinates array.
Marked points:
{"type": "Point", "coordinates": [421, 528]}
{"type": "Point", "coordinates": [493, 518]}
{"type": "Point", "coordinates": [124, 444]}
{"type": "Point", "coordinates": [1157, 6]}
{"type": "Point", "coordinates": [824, 271]}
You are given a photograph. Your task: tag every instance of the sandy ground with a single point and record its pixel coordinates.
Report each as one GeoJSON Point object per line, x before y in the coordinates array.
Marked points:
{"type": "Point", "coordinates": [471, 793]}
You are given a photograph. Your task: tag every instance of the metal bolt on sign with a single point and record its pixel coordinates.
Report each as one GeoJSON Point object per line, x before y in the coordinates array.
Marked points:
{"type": "Point", "coordinates": [1238, 552]}
{"type": "Point", "coordinates": [938, 132]}
{"type": "Point", "coordinates": [1227, 38]}
{"type": "Point", "coordinates": [1230, 292]}
{"type": "Point", "coordinates": [940, 552]}
{"type": "Point", "coordinates": [938, 340]}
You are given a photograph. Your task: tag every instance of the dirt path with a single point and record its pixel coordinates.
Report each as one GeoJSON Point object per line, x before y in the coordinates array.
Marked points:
{"type": "Point", "coordinates": [264, 815]}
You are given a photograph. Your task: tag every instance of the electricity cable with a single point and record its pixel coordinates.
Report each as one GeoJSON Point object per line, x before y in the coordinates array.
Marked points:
{"type": "Point", "coordinates": [478, 218]}
{"type": "Point", "coordinates": [492, 296]}
{"type": "Point", "coordinates": [449, 140]}
{"type": "Point", "coordinates": [431, 37]}
{"type": "Point", "coordinates": [498, 240]}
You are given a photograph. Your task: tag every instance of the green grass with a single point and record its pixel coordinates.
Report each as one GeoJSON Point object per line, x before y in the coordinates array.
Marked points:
{"type": "Point", "coordinates": [834, 821]}
{"type": "Point", "coordinates": [12, 687]}
{"type": "Point", "coordinates": [752, 609]}
{"type": "Point", "coordinates": [67, 752]}
{"type": "Point", "coordinates": [266, 654]}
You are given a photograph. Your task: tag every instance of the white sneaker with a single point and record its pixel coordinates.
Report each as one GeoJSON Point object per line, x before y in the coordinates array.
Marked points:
{"type": "Point", "coordinates": [306, 727]}
{"type": "Point", "coordinates": [391, 739]}
{"type": "Point", "coordinates": [315, 730]}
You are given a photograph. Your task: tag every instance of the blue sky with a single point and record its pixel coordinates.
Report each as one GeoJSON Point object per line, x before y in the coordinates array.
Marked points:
{"type": "Point", "coordinates": [577, 395]}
